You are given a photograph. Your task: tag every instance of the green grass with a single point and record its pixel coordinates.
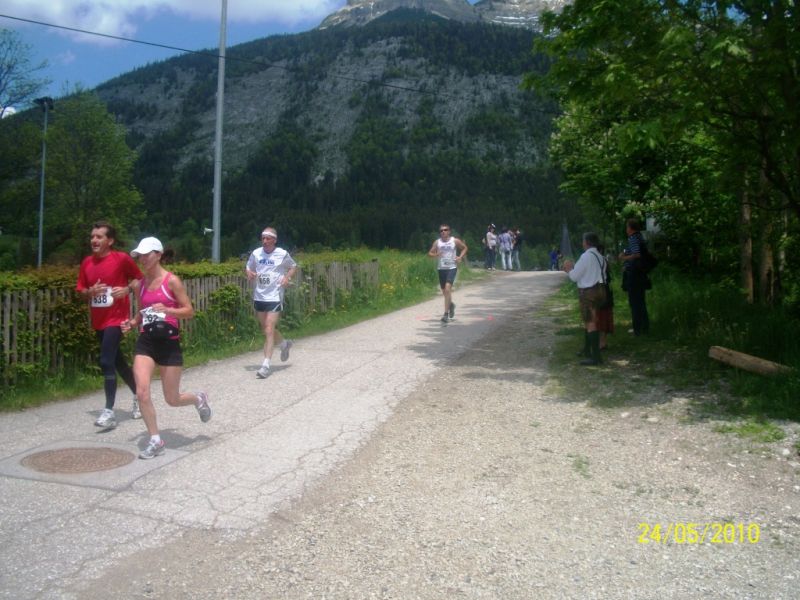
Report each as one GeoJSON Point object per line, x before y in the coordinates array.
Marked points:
{"type": "Point", "coordinates": [580, 464]}
{"type": "Point", "coordinates": [755, 430]}
{"type": "Point", "coordinates": [44, 390]}
{"type": "Point", "coordinates": [687, 315]}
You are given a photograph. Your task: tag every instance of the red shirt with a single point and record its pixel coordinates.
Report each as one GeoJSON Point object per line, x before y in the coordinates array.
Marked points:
{"type": "Point", "coordinates": [116, 269]}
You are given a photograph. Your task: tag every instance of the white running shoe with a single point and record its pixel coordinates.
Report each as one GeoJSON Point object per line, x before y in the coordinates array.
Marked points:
{"type": "Point", "coordinates": [203, 409]}
{"type": "Point", "coordinates": [153, 449]}
{"type": "Point", "coordinates": [263, 372]}
{"type": "Point", "coordinates": [136, 412]}
{"type": "Point", "coordinates": [287, 345]}
{"type": "Point", "coordinates": [106, 419]}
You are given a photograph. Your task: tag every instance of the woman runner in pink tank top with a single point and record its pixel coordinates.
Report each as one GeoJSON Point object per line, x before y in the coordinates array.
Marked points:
{"type": "Point", "coordinates": [162, 302]}
{"type": "Point", "coordinates": [162, 298]}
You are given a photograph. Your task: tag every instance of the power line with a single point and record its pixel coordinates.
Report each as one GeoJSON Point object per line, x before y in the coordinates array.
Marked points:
{"type": "Point", "coordinates": [216, 55]}
{"type": "Point", "coordinates": [106, 35]}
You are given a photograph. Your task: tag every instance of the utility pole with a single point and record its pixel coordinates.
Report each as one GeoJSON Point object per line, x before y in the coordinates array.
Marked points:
{"type": "Point", "coordinates": [47, 105]}
{"type": "Point", "coordinates": [215, 220]}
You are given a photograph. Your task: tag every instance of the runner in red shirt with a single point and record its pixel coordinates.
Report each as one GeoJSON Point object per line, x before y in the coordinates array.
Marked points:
{"type": "Point", "coordinates": [105, 279]}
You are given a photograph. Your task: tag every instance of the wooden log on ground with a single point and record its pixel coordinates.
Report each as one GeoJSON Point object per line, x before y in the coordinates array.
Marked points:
{"type": "Point", "coordinates": [747, 361]}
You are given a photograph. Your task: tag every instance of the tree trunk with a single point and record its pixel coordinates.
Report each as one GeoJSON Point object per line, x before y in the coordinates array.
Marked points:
{"type": "Point", "coordinates": [745, 245]}
{"type": "Point", "coordinates": [766, 263]}
{"type": "Point", "coordinates": [766, 267]}
{"type": "Point", "coordinates": [747, 361]}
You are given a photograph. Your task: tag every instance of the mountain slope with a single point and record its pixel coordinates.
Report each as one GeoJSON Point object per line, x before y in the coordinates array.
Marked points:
{"type": "Point", "coordinates": [328, 130]}
{"type": "Point", "coordinates": [320, 77]}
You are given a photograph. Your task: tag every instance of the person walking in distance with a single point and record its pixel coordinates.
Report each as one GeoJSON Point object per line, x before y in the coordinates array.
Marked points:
{"type": "Point", "coordinates": [554, 259]}
{"type": "Point", "coordinates": [490, 247]}
{"type": "Point", "coordinates": [272, 269]}
{"type": "Point", "coordinates": [162, 302]}
{"type": "Point", "coordinates": [506, 243]}
{"type": "Point", "coordinates": [449, 251]}
{"type": "Point", "coordinates": [105, 279]}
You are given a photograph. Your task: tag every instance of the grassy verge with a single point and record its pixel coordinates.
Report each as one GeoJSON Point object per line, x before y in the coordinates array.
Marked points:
{"type": "Point", "coordinates": [405, 279]}
{"type": "Point", "coordinates": [687, 317]}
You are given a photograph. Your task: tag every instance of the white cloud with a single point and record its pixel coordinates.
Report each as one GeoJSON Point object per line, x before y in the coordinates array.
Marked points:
{"type": "Point", "coordinates": [252, 11]}
{"type": "Point", "coordinates": [120, 17]}
{"type": "Point", "coordinates": [65, 58]}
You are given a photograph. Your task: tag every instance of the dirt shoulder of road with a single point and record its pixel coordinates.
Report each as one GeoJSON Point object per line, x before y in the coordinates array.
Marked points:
{"type": "Point", "coordinates": [488, 483]}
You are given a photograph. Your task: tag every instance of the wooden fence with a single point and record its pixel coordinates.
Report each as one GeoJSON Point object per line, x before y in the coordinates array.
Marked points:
{"type": "Point", "coordinates": [47, 329]}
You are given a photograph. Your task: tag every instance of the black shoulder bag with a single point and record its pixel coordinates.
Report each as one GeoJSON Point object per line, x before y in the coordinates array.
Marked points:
{"type": "Point", "coordinates": [609, 301]}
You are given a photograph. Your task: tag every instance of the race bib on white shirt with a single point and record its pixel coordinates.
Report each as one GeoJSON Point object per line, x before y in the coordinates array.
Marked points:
{"type": "Point", "coordinates": [447, 253]}
{"type": "Point", "coordinates": [104, 300]}
{"type": "Point", "coordinates": [270, 269]}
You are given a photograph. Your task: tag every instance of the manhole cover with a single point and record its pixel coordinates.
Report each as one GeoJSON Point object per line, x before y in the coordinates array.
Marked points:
{"type": "Point", "coordinates": [77, 460]}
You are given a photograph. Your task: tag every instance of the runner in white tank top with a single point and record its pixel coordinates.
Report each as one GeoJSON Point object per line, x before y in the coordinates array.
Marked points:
{"type": "Point", "coordinates": [448, 251]}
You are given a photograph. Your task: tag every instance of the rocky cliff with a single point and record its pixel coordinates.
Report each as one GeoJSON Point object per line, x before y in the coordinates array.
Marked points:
{"type": "Point", "coordinates": [361, 12]}
{"type": "Point", "coordinates": [518, 13]}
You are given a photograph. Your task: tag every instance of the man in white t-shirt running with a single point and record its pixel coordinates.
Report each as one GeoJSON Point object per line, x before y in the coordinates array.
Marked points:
{"type": "Point", "coordinates": [272, 270]}
{"type": "Point", "coordinates": [448, 252]}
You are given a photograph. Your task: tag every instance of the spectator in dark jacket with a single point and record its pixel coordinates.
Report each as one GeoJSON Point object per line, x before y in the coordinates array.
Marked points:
{"type": "Point", "coordinates": [634, 279]}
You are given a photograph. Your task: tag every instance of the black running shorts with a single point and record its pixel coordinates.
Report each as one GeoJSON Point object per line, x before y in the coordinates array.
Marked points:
{"type": "Point", "coordinates": [267, 306]}
{"type": "Point", "coordinates": [447, 276]}
{"type": "Point", "coordinates": [165, 353]}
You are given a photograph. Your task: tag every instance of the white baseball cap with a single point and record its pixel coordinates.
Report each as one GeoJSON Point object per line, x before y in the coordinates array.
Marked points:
{"type": "Point", "coordinates": [146, 246]}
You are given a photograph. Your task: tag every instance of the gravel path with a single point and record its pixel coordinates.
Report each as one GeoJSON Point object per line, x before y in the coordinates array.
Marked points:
{"type": "Point", "coordinates": [485, 483]}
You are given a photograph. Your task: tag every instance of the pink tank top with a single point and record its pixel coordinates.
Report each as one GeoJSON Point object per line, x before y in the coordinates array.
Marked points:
{"type": "Point", "coordinates": [161, 294]}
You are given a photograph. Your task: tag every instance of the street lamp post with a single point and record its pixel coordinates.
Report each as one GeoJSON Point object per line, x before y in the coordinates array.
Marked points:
{"type": "Point", "coordinates": [47, 105]}
{"type": "Point", "coordinates": [217, 200]}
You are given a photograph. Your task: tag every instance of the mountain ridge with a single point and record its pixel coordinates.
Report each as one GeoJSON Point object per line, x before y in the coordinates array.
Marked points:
{"type": "Point", "coordinates": [516, 13]}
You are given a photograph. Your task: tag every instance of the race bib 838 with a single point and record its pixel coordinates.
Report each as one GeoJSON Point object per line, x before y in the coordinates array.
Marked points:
{"type": "Point", "coordinates": [103, 300]}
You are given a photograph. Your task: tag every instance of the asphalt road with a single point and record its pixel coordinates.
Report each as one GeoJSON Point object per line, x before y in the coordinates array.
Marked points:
{"type": "Point", "coordinates": [270, 445]}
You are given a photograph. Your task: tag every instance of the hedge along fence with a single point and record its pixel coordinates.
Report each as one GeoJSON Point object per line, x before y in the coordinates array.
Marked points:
{"type": "Point", "coordinates": [46, 331]}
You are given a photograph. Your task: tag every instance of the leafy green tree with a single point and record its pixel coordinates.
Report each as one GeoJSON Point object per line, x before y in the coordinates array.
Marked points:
{"type": "Point", "coordinates": [684, 110]}
{"type": "Point", "coordinates": [21, 140]}
{"type": "Point", "coordinates": [89, 168]}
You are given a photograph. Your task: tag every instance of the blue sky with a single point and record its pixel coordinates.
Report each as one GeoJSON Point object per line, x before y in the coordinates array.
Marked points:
{"type": "Point", "coordinates": [193, 24]}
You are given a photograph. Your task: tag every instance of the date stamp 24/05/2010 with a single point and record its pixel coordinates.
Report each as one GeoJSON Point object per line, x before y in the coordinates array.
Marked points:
{"type": "Point", "coordinates": [699, 533]}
